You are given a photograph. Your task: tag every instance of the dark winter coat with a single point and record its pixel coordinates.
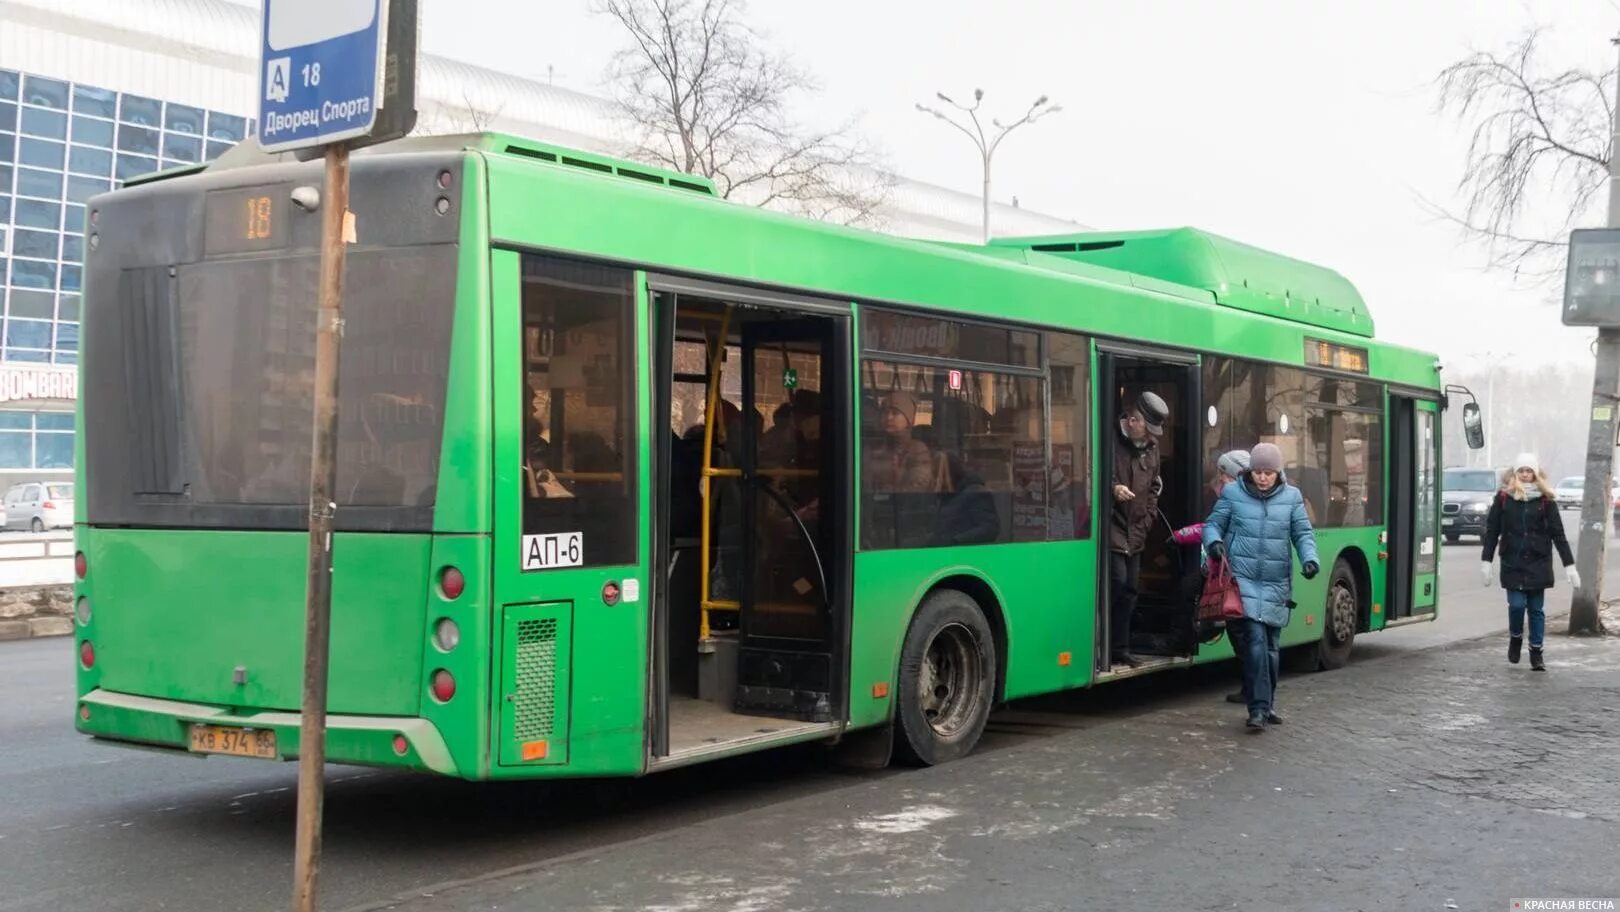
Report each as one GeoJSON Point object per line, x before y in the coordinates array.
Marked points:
{"type": "Point", "coordinates": [1528, 531]}
{"type": "Point", "coordinates": [1258, 529]}
{"type": "Point", "coordinates": [1137, 468]}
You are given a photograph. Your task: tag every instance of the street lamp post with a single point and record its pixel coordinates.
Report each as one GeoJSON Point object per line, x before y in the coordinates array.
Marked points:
{"type": "Point", "coordinates": [987, 144]}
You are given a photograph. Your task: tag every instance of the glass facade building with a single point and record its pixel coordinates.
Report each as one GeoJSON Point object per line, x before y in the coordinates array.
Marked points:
{"type": "Point", "coordinates": [61, 143]}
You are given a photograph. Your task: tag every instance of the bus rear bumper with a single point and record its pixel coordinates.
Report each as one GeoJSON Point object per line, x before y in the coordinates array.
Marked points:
{"type": "Point", "coordinates": [359, 740]}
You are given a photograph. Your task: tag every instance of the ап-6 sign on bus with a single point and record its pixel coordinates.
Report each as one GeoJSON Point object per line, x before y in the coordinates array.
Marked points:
{"type": "Point", "coordinates": [330, 69]}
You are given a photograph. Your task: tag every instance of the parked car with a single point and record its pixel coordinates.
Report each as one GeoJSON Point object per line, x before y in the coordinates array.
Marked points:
{"type": "Point", "coordinates": [1465, 499]}
{"type": "Point", "coordinates": [1569, 492]}
{"type": "Point", "coordinates": [40, 505]}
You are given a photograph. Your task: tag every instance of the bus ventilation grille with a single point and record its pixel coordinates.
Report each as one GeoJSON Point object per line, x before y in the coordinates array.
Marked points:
{"type": "Point", "coordinates": [536, 679]}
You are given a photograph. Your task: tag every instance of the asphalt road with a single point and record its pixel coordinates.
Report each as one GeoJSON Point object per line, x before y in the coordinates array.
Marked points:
{"type": "Point", "coordinates": [88, 826]}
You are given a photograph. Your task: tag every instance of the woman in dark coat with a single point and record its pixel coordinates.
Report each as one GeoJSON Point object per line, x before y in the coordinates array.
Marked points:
{"type": "Point", "coordinates": [1524, 520]}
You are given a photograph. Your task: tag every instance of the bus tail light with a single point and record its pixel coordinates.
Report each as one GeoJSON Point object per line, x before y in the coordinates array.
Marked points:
{"type": "Point", "coordinates": [446, 634]}
{"type": "Point", "coordinates": [452, 583]}
{"type": "Point", "coordinates": [444, 686]}
{"type": "Point", "coordinates": [401, 745]}
{"type": "Point", "coordinates": [87, 655]}
{"type": "Point", "coordinates": [81, 565]}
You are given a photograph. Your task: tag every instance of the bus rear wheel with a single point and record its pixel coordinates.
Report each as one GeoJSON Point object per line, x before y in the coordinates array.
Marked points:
{"type": "Point", "coordinates": [947, 679]}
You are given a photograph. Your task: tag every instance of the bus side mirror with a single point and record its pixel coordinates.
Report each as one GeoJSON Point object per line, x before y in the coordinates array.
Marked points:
{"type": "Point", "coordinates": [1473, 426]}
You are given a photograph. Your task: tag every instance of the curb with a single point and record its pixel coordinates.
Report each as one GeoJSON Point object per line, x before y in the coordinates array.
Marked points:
{"type": "Point", "coordinates": [36, 627]}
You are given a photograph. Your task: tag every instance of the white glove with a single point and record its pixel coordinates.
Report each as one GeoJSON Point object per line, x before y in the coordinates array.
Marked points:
{"type": "Point", "coordinates": [1572, 576]}
{"type": "Point", "coordinates": [1485, 573]}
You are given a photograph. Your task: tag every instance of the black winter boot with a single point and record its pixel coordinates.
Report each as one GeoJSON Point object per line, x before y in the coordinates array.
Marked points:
{"type": "Point", "coordinates": [1513, 649]}
{"type": "Point", "coordinates": [1535, 660]}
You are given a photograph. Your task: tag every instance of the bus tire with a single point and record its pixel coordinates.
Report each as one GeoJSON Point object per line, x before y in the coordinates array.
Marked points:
{"type": "Point", "coordinates": [947, 679]}
{"type": "Point", "coordinates": [1341, 615]}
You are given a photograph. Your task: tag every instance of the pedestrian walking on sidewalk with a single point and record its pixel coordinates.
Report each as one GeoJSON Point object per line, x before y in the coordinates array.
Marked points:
{"type": "Point", "coordinates": [1254, 525]}
{"type": "Point", "coordinates": [1524, 522]}
{"type": "Point", "coordinates": [1228, 467]}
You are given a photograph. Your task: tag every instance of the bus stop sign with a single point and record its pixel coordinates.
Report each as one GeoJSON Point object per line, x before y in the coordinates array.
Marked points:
{"type": "Point", "coordinates": [336, 70]}
{"type": "Point", "coordinates": [1592, 280]}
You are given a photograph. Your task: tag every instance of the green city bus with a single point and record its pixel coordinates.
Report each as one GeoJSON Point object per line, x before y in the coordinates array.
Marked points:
{"type": "Point", "coordinates": [631, 477]}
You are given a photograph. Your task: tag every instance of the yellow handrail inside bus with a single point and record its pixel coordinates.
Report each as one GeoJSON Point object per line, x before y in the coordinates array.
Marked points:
{"type": "Point", "coordinates": [716, 362]}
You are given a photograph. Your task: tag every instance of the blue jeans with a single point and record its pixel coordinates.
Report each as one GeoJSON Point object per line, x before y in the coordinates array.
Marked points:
{"type": "Point", "coordinates": [1532, 599]}
{"type": "Point", "coordinates": [1262, 661]}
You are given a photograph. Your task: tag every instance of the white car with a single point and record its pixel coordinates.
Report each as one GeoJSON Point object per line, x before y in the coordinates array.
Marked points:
{"type": "Point", "coordinates": [1569, 492]}
{"type": "Point", "coordinates": [40, 505]}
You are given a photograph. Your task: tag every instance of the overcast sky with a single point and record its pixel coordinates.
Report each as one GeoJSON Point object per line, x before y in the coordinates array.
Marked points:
{"type": "Point", "coordinates": [1306, 128]}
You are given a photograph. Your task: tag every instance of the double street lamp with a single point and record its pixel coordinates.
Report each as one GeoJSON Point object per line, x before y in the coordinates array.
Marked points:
{"type": "Point", "coordinates": [987, 144]}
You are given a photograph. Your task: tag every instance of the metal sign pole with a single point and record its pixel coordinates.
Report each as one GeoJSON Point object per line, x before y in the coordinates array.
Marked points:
{"type": "Point", "coordinates": [322, 510]}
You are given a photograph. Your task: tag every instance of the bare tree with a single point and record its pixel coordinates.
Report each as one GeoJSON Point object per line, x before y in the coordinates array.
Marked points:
{"type": "Point", "coordinates": [1538, 153]}
{"type": "Point", "coordinates": [709, 99]}
{"type": "Point", "coordinates": [466, 117]}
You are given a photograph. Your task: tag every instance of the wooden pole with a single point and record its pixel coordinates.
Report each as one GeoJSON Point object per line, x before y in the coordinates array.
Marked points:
{"type": "Point", "coordinates": [322, 512]}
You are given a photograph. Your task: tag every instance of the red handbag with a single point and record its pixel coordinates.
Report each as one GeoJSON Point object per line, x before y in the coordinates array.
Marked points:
{"type": "Point", "coordinates": [1220, 600]}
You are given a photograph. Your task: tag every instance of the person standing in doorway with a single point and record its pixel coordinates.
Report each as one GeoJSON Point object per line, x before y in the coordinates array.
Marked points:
{"type": "Point", "coordinates": [1253, 526]}
{"type": "Point", "coordinates": [1524, 521]}
{"type": "Point", "coordinates": [1136, 502]}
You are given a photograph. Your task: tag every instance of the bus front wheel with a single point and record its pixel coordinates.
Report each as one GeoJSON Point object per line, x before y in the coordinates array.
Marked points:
{"type": "Point", "coordinates": [1341, 615]}
{"type": "Point", "coordinates": [947, 679]}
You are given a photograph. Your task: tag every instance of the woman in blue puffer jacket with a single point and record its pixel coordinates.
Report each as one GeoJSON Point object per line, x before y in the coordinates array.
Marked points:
{"type": "Point", "coordinates": [1253, 526]}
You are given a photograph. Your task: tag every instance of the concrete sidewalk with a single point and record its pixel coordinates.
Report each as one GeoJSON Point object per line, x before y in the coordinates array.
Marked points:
{"type": "Point", "coordinates": [1445, 779]}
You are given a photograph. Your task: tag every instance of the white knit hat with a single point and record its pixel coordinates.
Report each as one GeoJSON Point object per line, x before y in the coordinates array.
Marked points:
{"type": "Point", "coordinates": [1527, 461]}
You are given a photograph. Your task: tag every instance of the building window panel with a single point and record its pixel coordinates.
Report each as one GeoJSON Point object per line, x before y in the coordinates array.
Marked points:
{"type": "Point", "coordinates": [80, 189]}
{"type": "Point", "coordinates": [67, 336]}
{"type": "Point", "coordinates": [16, 449]}
{"type": "Point", "coordinates": [74, 219]}
{"type": "Point", "coordinates": [39, 214]}
{"type": "Point", "coordinates": [41, 153]}
{"type": "Point", "coordinates": [5, 208]}
{"type": "Point", "coordinates": [139, 140]}
{"type": "Point", "coordinates": [43, 184]}
{"type": "Point", "coordinates": [28, 334]}
{"type": "Point", "coordinates": [93, 132]}
{"type": "Point", "coordinates": [69, 308]}
{"type": "Point", "coordinates": [226, 127]}
{"type": "Point", "coordinates": [182, 148]}
{"type": "Point", "coordinates": [6, 145]}
{"type": "Point", "coordinates": [18, 354]}
{"type": "Point", "coordinates": [10, 82]}
{"type": "Point", "coordinates": [11, 420]}
{"type": "Point", "coordinates": [91, 100]}
{"type": "Point", "coordinates": [216, 149]}
{"type": "Point", "coordinates": [184, 119]}
{"type": "Point", "coordinates": [90, 161]}
{"type": "Point", "coordinates": [134, 166]}
{"type": "Point", "coordinates": [8, 116]}
{"type": "Point", "coordinates": [32, 304]}
{"type": "Point", "coordinates": [73, 249]}
{"type": "Point", "coordinates": [5, 178]}
{"type": "Point", "coordinates": [72, 277]}
{"type": "Point", "coordinates": [41, 245]}
{"type": "Point", "coordinates": [55, 421]}
{"type": "Point", "coordinates": [33, 274]}
{"type": "Point", "coordinates": [67, 357]}
{"type": "Point", "coordinates": [53, 451]}
{"type": "Point", "coordinates": [40, 122]}
{"type": "Point", "coordinates": [47, 93]}
{"type": "Point", "coordinates": [145, 112]}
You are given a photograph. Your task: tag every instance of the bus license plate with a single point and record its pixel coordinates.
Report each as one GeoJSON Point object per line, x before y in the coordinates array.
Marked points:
{"type": "Point", "coordinates": [259, 743]}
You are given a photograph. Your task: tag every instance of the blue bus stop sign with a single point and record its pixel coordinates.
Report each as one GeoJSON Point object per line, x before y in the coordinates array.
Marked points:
{"type": "Point", "coordinates": [321, 71]}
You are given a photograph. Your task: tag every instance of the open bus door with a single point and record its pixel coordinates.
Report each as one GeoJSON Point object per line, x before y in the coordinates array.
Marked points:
{"type": "Point", "coordinates": [1412, 546]}
{"type": "Point", "coordinates": [751, 423]}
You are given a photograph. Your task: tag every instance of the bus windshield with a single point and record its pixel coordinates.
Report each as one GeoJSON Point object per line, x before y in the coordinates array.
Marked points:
{"type": "Point", "coordinates": [1470, 480]}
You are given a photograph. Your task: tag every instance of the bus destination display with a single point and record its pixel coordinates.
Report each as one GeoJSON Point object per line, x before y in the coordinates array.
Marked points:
{"type": "Point", "coordinates": [243, 221]}
{"type": "Point", "coordinates": [1319, 353]}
